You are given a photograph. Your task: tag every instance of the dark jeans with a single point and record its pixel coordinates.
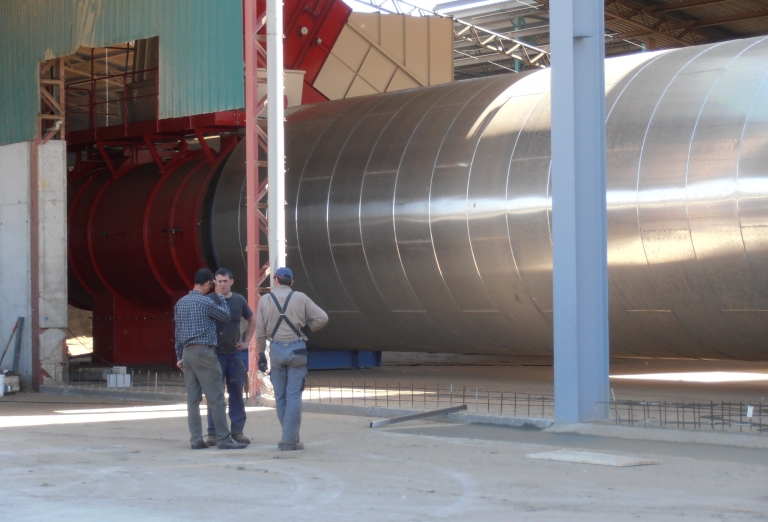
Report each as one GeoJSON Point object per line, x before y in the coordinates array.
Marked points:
{"type": "Point", "coordinates": [234, 369]}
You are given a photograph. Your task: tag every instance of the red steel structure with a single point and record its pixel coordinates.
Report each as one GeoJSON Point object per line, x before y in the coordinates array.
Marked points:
{"type": "Point", "coordinates": [141, 189]}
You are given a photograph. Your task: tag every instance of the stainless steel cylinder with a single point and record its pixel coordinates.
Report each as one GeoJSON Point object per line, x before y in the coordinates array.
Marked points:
{"type": "Point", "coordinates": [420, 220]}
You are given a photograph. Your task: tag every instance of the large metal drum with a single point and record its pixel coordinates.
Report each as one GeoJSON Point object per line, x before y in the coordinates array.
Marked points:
{"type": "Point", "coordinates": [420, 220]}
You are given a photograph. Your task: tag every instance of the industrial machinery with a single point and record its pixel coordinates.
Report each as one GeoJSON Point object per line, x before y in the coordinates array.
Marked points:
{"type": "Point", "coordinates": [420, 220]}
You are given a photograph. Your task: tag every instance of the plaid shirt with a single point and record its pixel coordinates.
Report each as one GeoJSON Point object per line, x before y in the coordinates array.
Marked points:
{"type": "Point", "coordinates": [195, 316]}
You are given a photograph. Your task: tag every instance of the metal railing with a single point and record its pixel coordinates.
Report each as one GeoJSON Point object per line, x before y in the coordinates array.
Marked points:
{"type": "Point", "coordinates": [112, 100]}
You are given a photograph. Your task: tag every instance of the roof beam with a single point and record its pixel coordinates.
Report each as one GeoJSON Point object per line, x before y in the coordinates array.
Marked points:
{"type": "Point", "coordinates": [720, 20]}
{"type": "Point", "coordinates": [644, 27]}
{"type": "Point", "coordinates": [469, 60]}
{"type": "Point", "coordinates": [683, 5]}
{"type": "Point", "coordinates": [691, 25]}
{"type": "Point", "coordinates": [477, 35]}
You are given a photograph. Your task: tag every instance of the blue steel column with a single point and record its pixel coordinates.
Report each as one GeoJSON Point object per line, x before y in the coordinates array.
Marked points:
{"type": "Point", "coordinates": [580, 269]}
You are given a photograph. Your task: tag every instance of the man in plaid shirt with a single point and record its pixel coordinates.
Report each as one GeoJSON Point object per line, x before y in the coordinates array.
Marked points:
{"type": "Point", "coordinates": [195, 316]}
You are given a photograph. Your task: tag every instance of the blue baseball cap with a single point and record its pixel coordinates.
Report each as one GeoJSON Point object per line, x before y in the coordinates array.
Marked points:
{"type": "Point", "coordinates": [284, 272]}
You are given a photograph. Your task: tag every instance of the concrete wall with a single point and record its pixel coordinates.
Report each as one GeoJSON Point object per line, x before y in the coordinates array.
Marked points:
{"type": "Point", "coordinates": [16, 254]}
{"type": "Point", "coordinates": [15, 282]}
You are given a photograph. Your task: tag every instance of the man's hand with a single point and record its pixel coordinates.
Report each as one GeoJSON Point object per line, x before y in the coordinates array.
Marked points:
{"type": "Point", "coordinates": [180, 364]}
{"type": "Point", "coordinates": [241, 346]}
{"type": "Point", "coordinates": [263, 362]}
{"type": "Point", "coordinates": [305, 330]}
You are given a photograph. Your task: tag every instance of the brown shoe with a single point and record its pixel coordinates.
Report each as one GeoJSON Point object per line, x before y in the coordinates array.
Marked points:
{"type": "Point", "coordinates": [199, 445]}
{"type": "Point", "coordinates": [287, 446]}
{"type": "Point", "coordinates": [230, 444]}
{"type": "Point", "coordinates": [242, 439]}
{"type": "Point", "coordinates": [211, 439]}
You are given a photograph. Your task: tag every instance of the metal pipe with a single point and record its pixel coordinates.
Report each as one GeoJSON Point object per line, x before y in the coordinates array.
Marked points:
{"type": "Point", "coordinates": [421, 220]}
{"type": "Point", "coordinates": [276, 135]}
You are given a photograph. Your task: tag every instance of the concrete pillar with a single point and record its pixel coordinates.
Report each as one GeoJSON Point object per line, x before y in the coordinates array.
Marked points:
{"type": "Point", "coordinates": [52, 264]}
{"type": "Point", "coordinates": [33, 220]}
{"type": "Point", "coordinates": [580, 265]}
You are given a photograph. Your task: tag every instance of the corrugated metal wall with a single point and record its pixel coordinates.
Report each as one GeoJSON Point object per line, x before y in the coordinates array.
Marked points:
{"type": "Point", "coordinates": [201, 51]}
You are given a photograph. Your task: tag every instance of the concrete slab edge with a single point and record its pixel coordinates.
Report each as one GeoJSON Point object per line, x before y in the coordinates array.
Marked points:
{"type": "Point", "coordinates": [378, 411]}
{"type": "Point", "coordinates": [109, 394]}
{"type": "Point", "coordinates": [739, 440]}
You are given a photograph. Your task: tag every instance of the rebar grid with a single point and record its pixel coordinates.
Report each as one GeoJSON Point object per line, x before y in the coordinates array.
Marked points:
{"type": "Point", "coordinates": [426, 397]}
{"type": "Point", "coordinates": [702, 416]}
{"type": "Point", "coordinates": [142, 381]}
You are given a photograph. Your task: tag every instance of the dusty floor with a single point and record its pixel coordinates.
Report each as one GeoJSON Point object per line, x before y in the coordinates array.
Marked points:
{"type": "Point", "coordinates": [143, 469]}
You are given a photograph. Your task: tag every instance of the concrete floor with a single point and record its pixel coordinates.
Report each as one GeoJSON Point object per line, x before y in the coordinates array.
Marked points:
{"type": "Point", "coordinates": [134, 469]}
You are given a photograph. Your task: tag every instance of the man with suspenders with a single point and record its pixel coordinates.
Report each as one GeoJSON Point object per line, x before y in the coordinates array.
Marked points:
{"type": "Point", "coordinates": [284, 317]}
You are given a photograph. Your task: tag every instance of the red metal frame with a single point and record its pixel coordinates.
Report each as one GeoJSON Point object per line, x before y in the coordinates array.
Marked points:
{"type": "Point", "coordinates": [135, 328]}
{"type": "Point", "coordinates": [323, 20]}
{"type": "Point", "coordinates": [254, 20]}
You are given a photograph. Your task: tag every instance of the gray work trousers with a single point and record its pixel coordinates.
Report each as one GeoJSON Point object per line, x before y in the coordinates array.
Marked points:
{"type": "Point", "coordinates": [289, 369]}
{"type": "Point", "coordinates": [202, 373]}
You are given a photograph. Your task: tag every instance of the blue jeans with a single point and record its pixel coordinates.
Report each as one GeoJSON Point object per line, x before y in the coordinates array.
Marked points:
{"type": "Point", "coordinates": [289, 369]}
{"type": "Point", "coordinates": [234, 369]}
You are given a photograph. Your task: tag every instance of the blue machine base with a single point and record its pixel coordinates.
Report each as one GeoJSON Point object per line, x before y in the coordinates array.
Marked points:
{"type": "Point", "coordinates": [342, 359]}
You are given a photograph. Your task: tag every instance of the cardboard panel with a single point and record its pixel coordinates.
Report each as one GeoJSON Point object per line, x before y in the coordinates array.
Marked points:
{"type": "Point", "coordinates": [388, 52]}
{"type": "Point", "coordinates": [401, 81]}
{"type": "Point", "coordinates": [440, 50]}
{"type": "Point", "coordinates": [350, 48]}
{"type": "Point", "coordinates": [392, 36]}
{"type": "Point", "coordinates": [360, 88]}
{"type": "Point", "coordinates": [377, 70]}
{"type": "Point", "coordinates": [417, 47]}
{"type": "Point", "coordinates": [334, 79]}
{"type": "Point", "coordinates": [368, 23]}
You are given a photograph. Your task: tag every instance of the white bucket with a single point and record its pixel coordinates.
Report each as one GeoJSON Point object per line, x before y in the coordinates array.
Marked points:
{"type": "Point", "coordinates": [2, 384]}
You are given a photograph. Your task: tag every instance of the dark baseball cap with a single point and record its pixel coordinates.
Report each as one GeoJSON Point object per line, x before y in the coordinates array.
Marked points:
{"type": "Point", "coordinates": [284, 272]}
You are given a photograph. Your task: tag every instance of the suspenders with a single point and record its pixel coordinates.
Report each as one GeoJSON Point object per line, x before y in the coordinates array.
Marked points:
{"type": "Point", "coordinates": [282, 310]}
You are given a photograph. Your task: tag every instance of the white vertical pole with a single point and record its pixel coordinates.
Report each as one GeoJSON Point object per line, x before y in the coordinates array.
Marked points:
{"type": "Point", "coordinates": [580, 271]}
{"type": "Point", "coordinates": [276, 137]}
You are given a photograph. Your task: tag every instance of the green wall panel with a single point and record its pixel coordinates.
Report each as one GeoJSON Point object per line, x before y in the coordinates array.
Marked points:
{"type": "Point", "coordinates": [201, 51]}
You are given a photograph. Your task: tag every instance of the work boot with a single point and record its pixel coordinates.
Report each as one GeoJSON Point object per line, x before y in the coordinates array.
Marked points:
{"type": "Point", "coordinates": [199, 445]}
{"type": "Point", "coordinates": [287, 446]}
{"type": "Point", "coordinates": [230, 443]}
{"type": "Point", "coordinates": [211, 439]}
{"type": "Point", "coordinates": [242, 439]}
